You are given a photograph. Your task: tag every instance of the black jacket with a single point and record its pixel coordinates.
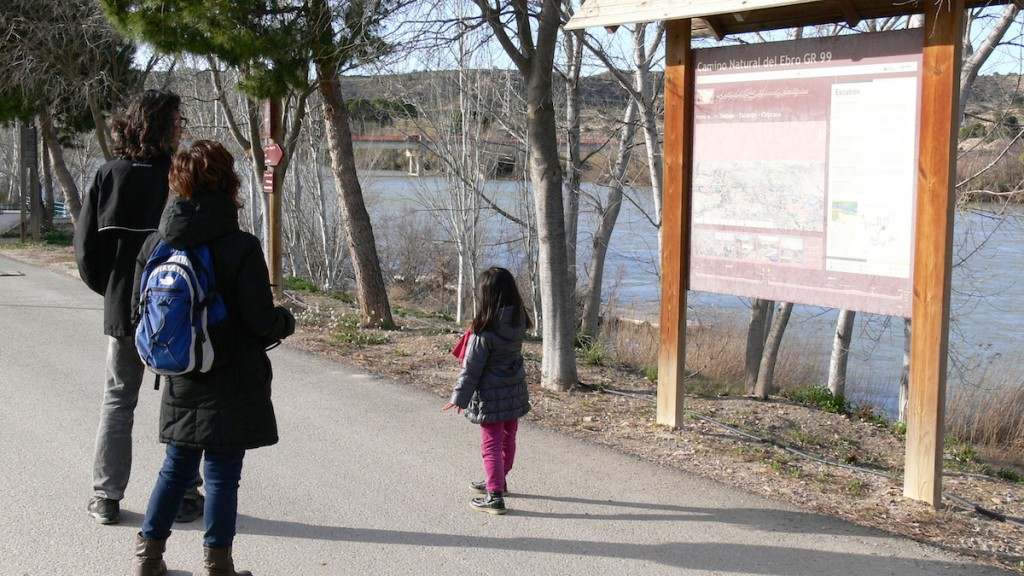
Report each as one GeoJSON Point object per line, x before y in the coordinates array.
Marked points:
{"type": "Point", "coordinates": [121, 208]}
{"type": "Point", "coordinates": [492, 384]}
{"type": "Point", "coordinates": [229, 407]}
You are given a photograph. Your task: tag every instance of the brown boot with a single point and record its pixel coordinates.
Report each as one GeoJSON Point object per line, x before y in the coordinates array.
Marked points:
{"type": "Point", "coordinates": [149, 557]}
{"type": "Point", "coordinates": [219, 563]}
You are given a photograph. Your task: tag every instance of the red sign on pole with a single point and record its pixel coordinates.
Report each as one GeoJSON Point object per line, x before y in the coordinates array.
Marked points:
{"type": "Point", "coordinates": [273, 154]}
{"type": "Point", "coordinates": [268, 182]}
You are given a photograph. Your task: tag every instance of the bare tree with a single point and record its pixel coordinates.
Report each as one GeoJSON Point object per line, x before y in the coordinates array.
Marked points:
{"type": "Point", "coordinates": [61, 58]}
{"type": "Point", "coordinates": [766, 374]}
{"type": "Point", "coordinates": [757, 333]}
{"type": "Point", "coordinates": [840, 352]}
{"type": "Point", "coordinates": [608, 213]}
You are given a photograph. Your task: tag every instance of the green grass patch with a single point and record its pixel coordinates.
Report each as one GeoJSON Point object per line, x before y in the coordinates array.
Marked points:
{"type": "Point", "coordinates": [805, 438]}
{"type": "Point", "coordinates": [305, 285]}
{"type": "Point", "coordinates": [414, 313]}
{"type": "Point", "coordinates": [593, 355]}
{"type": "Point", "coordinates": [301, 284]}
{"type": "Point", "coordinates": [1009, 476]}
{"type": "Point", "coordinates": [821, 397]}
{"type": "Point", "coordinates": [856, 488]}
{"type": "Point", "coordinates": [47, 238]}
{"type": "Point", "coordinates": [650, 373]}
{"type": "Point", "coordinates": [359, 337]}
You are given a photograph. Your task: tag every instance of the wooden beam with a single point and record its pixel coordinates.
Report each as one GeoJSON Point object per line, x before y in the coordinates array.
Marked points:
{"type": "Point", "coordinates": [929, 338]}
{"type": "Point", "coordinates": [715, 25]}
{"type": "Point", "coordinates": [850, 13]}
{"type": "Point", "coordinates": [675, 222]}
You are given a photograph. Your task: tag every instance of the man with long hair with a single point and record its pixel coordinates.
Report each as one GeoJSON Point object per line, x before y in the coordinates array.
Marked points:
{"type": "Point", "coordinates": [122, 207]}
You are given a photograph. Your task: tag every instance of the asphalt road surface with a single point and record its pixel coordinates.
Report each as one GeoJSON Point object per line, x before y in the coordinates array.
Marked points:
{"type": "Point", "coordinates": [370, 477]}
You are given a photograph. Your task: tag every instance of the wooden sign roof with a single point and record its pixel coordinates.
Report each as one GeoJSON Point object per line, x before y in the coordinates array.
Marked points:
{"type": "Point", "coordinates": [720, 18]}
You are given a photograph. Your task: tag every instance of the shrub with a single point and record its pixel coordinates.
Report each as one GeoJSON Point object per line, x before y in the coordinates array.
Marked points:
{"type": "Point", "coordinates": [821, 397]}
{"type": "Point", "coordinates": [296, 283]}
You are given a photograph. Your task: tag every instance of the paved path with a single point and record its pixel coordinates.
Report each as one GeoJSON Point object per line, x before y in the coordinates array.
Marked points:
{"type": "Point", "coordinates": [370, 478]}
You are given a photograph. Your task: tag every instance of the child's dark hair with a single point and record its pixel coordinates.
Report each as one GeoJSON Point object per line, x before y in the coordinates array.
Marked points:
{"type": "Point", "coordinates": [496, 289]}
{"type": "Point", "coordinates": [147, 128]}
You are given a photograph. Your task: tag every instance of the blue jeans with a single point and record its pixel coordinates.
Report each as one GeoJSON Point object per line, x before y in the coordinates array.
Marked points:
{"type": "Point", "coordinates": [222, 471]}
{"type": "Point", "coordinates": [112, 462]}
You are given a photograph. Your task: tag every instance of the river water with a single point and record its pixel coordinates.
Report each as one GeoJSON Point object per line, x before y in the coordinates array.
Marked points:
{"type": "Point", "coordinates": [987, 311]}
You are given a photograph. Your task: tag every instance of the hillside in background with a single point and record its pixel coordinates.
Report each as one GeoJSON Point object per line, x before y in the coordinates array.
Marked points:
{"type": "Point", "coordinates": [599, 91]}
{"type": "Point", "coordinates": [994, 118]}
{"type": "Point", "coordinates": [991, 93]}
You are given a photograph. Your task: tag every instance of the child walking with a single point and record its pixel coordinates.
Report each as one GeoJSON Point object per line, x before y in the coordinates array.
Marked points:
{"type": "Point", "coordinates": [491, 387]}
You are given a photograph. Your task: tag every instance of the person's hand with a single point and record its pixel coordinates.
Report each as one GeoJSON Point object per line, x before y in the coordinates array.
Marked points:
{"type": "Point", "coordinates": [289, 321]}
{"type": "Point", "coordinates": [449, 406]}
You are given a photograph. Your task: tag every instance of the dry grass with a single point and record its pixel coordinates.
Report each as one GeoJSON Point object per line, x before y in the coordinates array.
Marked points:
{"type": "Point", "coordinates": [990, 417]}
{"type": "Point", "coordinates": [714, 355]}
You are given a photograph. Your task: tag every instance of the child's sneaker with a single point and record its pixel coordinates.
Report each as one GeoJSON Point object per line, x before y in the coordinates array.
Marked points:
{"type": "Point", "coordinates": [481, 487]}
{"type": "Point", "coordinates": [493, 503]}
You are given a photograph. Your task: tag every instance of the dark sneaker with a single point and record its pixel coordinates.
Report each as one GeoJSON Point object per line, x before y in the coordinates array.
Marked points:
{"type": "Point", "coordinates": [104, 510]}
{"type": "Point", "coordinates": [481, 487]}
{"type": "Point", "coordinates": [493, 503]}
{"type": "Point", "coordinates": [191, 507]}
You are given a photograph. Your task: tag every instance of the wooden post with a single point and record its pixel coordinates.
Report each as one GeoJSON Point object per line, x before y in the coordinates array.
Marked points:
{"type": "Point", "coordinates": [943, 28]}
{"type": "Point", "coordinates": [274, 206]}
{"type": "Point", "coordinates": [675, 224]}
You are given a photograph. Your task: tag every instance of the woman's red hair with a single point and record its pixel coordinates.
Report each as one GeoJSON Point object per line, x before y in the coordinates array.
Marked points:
{"type": "Point", "coordinates": [205, 167]}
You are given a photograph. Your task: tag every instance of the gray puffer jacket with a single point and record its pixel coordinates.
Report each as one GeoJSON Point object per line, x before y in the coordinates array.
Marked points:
{"type": "Point", "coordinates": [492, 385]}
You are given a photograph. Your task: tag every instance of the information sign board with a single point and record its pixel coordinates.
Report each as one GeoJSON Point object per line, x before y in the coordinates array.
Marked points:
{"type": "Point", "coordinates": [805, 170]}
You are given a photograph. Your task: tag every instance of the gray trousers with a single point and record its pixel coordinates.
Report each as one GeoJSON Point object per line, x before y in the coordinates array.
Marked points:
{"type": "Point", "coordinates": [112, 462]}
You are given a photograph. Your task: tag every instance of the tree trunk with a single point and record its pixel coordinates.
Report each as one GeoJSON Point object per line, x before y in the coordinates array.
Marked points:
{"type": "Point", "coordinates": [652, 138]}
{"type": "Point", "coordinates": [574, 163]}
{"type": "Point", "coordinates": [757, 331]}
{"type": "Point", "coordinates": [101, 126]}
{"type": "Point", "coordinates": [558, 369]}
{"type": "Point", "coordinates": [60, 167]}
{"type": "Point", "coordinates": [48, 198]}
{"type": "Point", "coordinates": [374, 308]}
{"type": "Point", "coordinates": [606, 224]}
{"type": "Point", "coordinates": [766, 374]}
{"type": "Point", "coordinates": [840, 353]}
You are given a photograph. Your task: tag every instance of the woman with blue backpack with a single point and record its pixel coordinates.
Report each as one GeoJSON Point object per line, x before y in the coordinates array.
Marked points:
{"type": "Point", "coordinates": [214, 415]}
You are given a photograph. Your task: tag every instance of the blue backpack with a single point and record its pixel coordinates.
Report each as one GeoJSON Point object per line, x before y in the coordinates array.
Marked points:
{"type": "Point", "coordinates": [177, 306]}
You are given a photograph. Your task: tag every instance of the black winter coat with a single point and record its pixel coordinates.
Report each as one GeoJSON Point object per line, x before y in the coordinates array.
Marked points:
{"type": "Point", "coordinates": [492, 384]}
{"type": "Point", "coordinates": [121, 209]}
{"type": "Point", "coordinates": [229, 407]}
